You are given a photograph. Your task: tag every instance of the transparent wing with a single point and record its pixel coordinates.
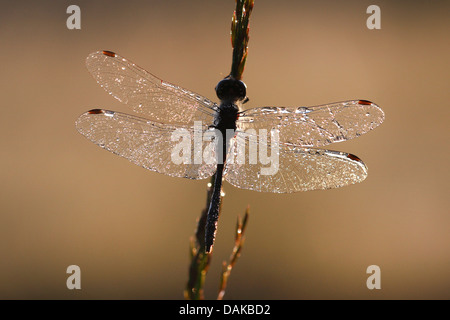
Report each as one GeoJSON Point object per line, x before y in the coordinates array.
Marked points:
{"type": "Point", "coordinates": [291, 168]}
{"type": "Point", "coordinates": [147, 94]}
{"type": "Point", "coordinates": [314, 126]}
{"type": "Point", "coordinates": [166, 149]}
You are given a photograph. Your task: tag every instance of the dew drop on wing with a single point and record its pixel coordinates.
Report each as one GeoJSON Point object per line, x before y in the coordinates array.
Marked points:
{"type": "Point", "coordinates": [302, 110]}
{"type": "Point", "coordinates": [267, 109]}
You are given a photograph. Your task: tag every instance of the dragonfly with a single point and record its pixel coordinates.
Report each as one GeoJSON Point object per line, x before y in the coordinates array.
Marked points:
{"type": "Point", "coordinates": [161, 109]}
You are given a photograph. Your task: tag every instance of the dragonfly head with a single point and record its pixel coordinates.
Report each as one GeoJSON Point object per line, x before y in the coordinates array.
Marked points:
{"type": "Point", "coordinates": [233, 90]}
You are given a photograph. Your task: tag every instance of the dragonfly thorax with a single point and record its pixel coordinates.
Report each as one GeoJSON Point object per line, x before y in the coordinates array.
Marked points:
{"type": "Point", "coordinates": [226, 116]}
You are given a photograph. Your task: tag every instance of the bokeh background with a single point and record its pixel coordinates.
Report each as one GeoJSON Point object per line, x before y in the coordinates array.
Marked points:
{"type": "Point", "coordinates": [65, 201]}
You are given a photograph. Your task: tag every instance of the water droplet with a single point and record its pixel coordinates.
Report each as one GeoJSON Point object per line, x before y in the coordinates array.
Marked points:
{"type": "Point", "coordinates": [302, 110]}
{"type": "Point", "coordinates": [267, 109]}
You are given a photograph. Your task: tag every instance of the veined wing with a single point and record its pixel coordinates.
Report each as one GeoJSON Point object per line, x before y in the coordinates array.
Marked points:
{"type": "Point", "coordinates": [314, 126]}
{"type": "Point", "coordinates": [147, 94]}
{"type": "Point", "coordinates": [291, 168]}
{"type": "Point", "coordinates": [149, 144]}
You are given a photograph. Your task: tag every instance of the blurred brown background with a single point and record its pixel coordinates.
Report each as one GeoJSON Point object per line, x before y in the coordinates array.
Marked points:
{"type": "Point", "coordinates": [65, 201]}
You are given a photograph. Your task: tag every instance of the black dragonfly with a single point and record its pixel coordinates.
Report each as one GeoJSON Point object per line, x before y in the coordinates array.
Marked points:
{"type": "Point", "coordinates": [167, 108]}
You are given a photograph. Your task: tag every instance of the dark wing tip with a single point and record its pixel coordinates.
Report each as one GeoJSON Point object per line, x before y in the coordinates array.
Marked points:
{"type": "Point", "coordinates": [365, 102]}
{"type": "Point", "coordinates": [353, 157]}
{"type": "Point", "coordinates": [96, 111]}
{"type": "Point", "coordinates": [109, 53]}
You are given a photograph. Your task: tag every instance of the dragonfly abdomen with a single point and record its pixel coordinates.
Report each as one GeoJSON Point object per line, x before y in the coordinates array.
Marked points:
{"type": "Point", "coordinates": [224, 121]}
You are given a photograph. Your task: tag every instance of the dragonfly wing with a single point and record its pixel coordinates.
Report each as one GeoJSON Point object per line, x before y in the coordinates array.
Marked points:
{"type": "Point", "coordinates": [314, 126]}
{"type": "Point", "coordinates": [166, 149]}
{"type": "Point", "coordinates": [147, 94]}
{"type": "Point", "coordinates": [291, 168]}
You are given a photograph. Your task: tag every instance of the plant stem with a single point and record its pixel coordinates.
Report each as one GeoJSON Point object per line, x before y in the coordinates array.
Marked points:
{"type": "Point", "coordinates": [238, 243]}
{"type": "Point", "coordinates": [240, 37]}
{"type": "Point", "coordinates": [200, 259]}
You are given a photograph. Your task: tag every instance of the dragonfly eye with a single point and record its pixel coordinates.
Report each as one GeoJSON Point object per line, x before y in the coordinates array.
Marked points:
{"type": "Point", "coordinates": [230, 89]}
